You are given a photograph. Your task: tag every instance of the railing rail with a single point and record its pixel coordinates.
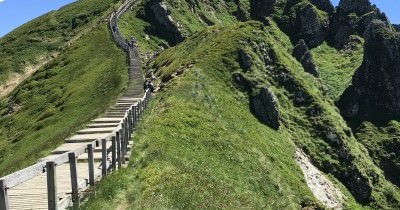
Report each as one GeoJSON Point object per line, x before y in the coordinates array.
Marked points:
{"type": "Point", "coordinates": [119, 138]}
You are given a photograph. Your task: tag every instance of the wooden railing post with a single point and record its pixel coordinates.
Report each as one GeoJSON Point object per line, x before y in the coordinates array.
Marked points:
{"type": "Point", "coordinates": [51, 186]}
{"type": "Point", "coordinates": [74, 178]}
{"type": "Point", "coordinates": [134, 117]}
{"type": "Point", "coordinates": [114, 154]}
{"type": "Point", "coordinates": [3, 197]}
{"type": "Point", "coordinates": [118, 139]}
{"type": "Point", "coordinates": [91, 164]}
{"type": "Point", "coordinates": [104, 157]}
{"type": "Point", "coordinates": [139, 109]}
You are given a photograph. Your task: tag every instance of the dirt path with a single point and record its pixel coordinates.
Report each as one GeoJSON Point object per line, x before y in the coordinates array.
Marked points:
{"type": "Point", "coordinates": [323, 189]}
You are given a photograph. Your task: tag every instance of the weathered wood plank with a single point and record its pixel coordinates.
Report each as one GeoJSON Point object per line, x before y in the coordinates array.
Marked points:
{"type": "Point", "coordinates": [117, 137]}
{"type": "Point", "coordinates": [104, 157]}
{"type": "Point", "coordinates": [4, 204]}
{"type": "Point", "coordinates": [114, 154]}
{"type": "Point", "coordinates": [91, 164]}
{"type": "Point", "coordinates": [23, 175]}
{"type": "Point", "coordinates": [74, 179]}
{"type": "Point", "coordinates": [52, 198]}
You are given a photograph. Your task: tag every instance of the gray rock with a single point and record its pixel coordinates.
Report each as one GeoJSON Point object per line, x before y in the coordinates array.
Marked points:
{"type": "Point", "coordinates": [245, 60]}
{"type": "Point", "coordinates": [324, 5]}
{"type": "Point", "coordinates": [260, 9]}
{"type": "Point", "coordinates": [352, 17]}
{"type": "Point", "coordinates": [304, 56]}
{"type": "Point", "coordinates": [305, 23]}
{"type": "Point", "coordinates": [160, 16]}
{"type": "Point", "coordinates": [265, 107]}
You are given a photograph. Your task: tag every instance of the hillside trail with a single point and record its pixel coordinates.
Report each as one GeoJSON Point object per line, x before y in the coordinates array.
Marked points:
{"type": "Point", "coordinates": [323, 189]}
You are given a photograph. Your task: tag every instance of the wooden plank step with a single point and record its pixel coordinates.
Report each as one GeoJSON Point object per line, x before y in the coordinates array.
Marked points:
{"type": "Point", "coordinates": [102, 125]}
{"type": "Point", "coordinates": [97, 130]}
{"type": "Point", "coordinates": [86, 138]}
{"type": "Point", "coordinates": [107, 120]}
{"type": "Point", "coordinates": [67, 147]}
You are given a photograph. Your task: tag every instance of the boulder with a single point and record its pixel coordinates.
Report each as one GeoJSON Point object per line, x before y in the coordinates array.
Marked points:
{"type": "Point", "coordinates": [304, 56]}
{"type": "Point", "coordinates": [265, 107]}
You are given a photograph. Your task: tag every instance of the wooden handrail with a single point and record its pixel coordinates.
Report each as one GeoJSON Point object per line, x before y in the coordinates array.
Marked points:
{"type": "Point", "coordinates": [119, 137]}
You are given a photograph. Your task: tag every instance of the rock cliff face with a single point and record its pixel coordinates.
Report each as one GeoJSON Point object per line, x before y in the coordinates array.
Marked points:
{"type": "Point", "coordinates": [397, 27]}
{"type": "Point", "coordinates": [375, 92]}
{"type": "Point", "coordinates": [158, 14]}
{"type": "Point", "coordinates": [352, 18]}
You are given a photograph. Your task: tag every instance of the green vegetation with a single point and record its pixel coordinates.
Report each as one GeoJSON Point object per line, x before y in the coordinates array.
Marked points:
{"type": "Point", "coordinates": [63, 95]}
{"type": "Point", "coordinates": [39, 39]}
{"type": "Point", "coordinates": [204, 149]}
{"type": "Point", "coordinates": [383, 146]}
{"type": "Point", "coordinates": [337, 67]}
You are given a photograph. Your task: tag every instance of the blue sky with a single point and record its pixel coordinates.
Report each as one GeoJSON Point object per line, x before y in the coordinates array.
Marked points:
{"type": "Point", "coordinates": [11, 18]}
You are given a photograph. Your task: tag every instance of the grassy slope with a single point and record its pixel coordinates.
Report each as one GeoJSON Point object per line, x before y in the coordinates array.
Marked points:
{"type": "Point", "coordinates": [337, 67]}
{"type": "Point", "coordinates": [78, 85]}
{"type": "Point", "coordinates": [40, 38]}
{"type": "Point", "coordinates": [298, 125]}
{"type": "Point", "coordinates": [204, 149]}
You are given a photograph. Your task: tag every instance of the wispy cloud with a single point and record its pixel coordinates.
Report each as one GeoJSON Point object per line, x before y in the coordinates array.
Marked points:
{"type": "Point", "coordinates": [1, 1]}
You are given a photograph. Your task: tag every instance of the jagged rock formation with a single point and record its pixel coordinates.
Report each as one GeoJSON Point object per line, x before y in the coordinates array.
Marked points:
{"type": "Point", "coordinates": [158, 14]}
{"type": "Point", "coordinates": [261, 9]}
{"type": "Point", "coordinates": [265, 107]}
{"type": "Point", "coordinates": [324, 5]}
{"type": "Point", "coordinates": [375, 92]}
{"type": "Point", "coordinates": [304, 56]}
{"type": "Point", "coordinates": [397, 27]}
{"type": "Point", "coordinates": [352, 17]}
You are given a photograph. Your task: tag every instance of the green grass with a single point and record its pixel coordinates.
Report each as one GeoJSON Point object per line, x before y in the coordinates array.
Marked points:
{"type": "Point", "coordinates": [60, 98]}
{"type": "Point", "coordinates": [337, 67]}
{"type": "Point", "coordinates": [39, 39]}
{"type": "Point", "coordinates": [200, 146]}
{"type": "Point", "coordinates": [204, 149]}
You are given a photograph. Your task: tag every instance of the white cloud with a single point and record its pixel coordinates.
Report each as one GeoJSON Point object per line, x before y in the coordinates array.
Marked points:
{"type": "Point", "coordinates": [1, 0]}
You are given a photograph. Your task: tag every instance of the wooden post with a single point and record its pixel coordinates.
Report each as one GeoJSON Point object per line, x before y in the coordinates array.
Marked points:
{"type": "Point", "coordinates": [134, 116]}
{"type": "Point", "coordinates": [114, 154]}
{"type": "Point", "coordinates": [3, 197]}
{"type": "Point", "coordinates": [139, 111]}
{"type": "Point", "coordinates": [118, 139]}
{"type": "Point", "coordinates": [103, 157]}
{"type": "Point", "coordinates": [74, 178]}
{"type": "Point", "coordinates": [91, 164]}
{"type": "Point", "coordinates": [51, 186]}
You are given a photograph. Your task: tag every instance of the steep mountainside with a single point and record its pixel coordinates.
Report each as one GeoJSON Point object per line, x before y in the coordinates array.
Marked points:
{"type": "Point", "coordinates": [272, 67]}
{"type": "Point", "coordinates": [70, 90]}
{"type": "Point", "coordinates": [243, 88]}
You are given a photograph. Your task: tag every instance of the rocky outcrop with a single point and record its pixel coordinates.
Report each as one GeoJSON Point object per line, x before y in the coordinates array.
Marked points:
{"type": "Point", "coordinates": [324, 5]}
{"type": "Point", "coordinates": [352, 17]}
{"type": "Point", "coordinates": [304, 56]}
{"type": "Point", "coordinates": [158, 14]}
{"type": "Point", "coordinates": [304, 21]}
{"type": "Point", "coordinates": [375, 91]}
{"type": "Point", "coordinates": [260, 9]}
{"type": "Point", "coordinates": [265, 107]}
{"type": "Point", "coordinates": [397, 27]}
